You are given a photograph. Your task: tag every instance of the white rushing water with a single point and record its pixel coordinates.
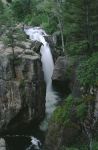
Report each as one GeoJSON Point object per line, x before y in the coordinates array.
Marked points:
{"type": "Point", "coordinates": [35, 144]}
{"type": "Point", "coordinates": [37, 34]}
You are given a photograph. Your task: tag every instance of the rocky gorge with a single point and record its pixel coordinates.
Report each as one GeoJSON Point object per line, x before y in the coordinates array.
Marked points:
{"type": "Point", "coordinates": [23, 94]}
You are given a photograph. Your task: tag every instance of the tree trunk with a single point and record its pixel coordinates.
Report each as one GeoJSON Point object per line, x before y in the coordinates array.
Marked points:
{"type": "Point", "coordinates": [61, 31]}
{"type": "Point", "coordinates": [88, 27]}
{"type": "Point", "coordinates": [13, 59]}
{"type": "Point", "coordinates": [90, 141]}
{"type": "Point", "coordinates": [60, 26]}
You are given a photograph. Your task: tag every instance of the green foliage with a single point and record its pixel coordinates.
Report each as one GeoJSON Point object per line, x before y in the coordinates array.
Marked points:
{"type": "Point", "coordinates": [13, 36]}
{"type": "Point", "coordinates": [77, 47]}
{"type": "Point", "coordinates": [72, 14]}
{"type": "Point", "coordinates": [81, 111]}
{"type": "Point", "coordinates": [88, 71]}
{"type": "Point", "coordinates": [81, 146]}
{"type": "Point", "coordinates": [80, 35]}
{"type": "Point", "coordinates": [7, 39]}
{"type": "Point", "coordinates": [95, 145]}
{"type": "Point", "coordinates": [70, 148]}
{"type": "Point", "coordinates": [6, 17]}
{"type": "Point", "coordinates": [21, 8]}
{"type": "Point", "coordinates": [17, 61]}
{"type": "Point", "coordinates": [1, 7]}
{"type": "Point", "coordinates": [69, 71]}
{"type": "Point", "coordinates": [61, 114]}
{"type": "Point", "coordinates": [19, 35]}
{"type": "Point", "coordinates": [22, 84]}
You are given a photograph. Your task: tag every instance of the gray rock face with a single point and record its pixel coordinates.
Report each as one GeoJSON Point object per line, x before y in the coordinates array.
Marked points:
{"type": "Point", "coordinates": [22, 88]}
{"type": "Point", "coordinates": [60, 77]}
{"type": "Point", "coordinates": [59, 72]}
{"type": "Point", "coordinates": [65, 77]}
{"type": "Point", "coordinates": [2, 144]}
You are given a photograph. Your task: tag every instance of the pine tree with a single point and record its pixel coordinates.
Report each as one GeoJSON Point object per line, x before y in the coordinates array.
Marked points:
{"type": "Point", "coordinates": [81, 26]}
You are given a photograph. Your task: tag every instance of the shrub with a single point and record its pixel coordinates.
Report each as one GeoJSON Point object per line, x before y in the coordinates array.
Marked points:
{"type": "Point", "coordinates": [88, 71]}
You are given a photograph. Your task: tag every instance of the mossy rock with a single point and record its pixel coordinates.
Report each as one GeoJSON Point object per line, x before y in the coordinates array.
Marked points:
{"type": "Point", "coordinates": [64, 128]}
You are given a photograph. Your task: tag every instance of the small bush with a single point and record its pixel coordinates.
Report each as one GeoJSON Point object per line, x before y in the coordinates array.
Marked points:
{"type": "Point", "coordinates": [88, 71]}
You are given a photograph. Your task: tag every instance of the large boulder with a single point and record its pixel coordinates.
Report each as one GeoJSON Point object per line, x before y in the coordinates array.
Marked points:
{"type": "Point", "coordinates": [64, 76]}
{"type": "Point", "coordinates": [59, 72]}
{"type": "Point", "coordinates": [60, 77]}
{"type": "Point", "coordinates": [22, 88]}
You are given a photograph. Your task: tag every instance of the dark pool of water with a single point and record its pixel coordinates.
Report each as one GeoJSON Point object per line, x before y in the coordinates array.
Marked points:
{"type": "Point", "coordinates": [23, 141]}
{"type": "Point", "coordinates": [17, 143]}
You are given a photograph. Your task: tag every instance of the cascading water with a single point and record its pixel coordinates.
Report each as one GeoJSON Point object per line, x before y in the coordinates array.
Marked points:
{"type": "Point", "coordinates": [37, 34]}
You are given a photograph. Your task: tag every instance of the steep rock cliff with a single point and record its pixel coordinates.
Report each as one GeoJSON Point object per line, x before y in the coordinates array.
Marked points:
{"type": "Point", "coordinates": [22, 87]}
{"type": "Point", "coordinates": [61, 75]}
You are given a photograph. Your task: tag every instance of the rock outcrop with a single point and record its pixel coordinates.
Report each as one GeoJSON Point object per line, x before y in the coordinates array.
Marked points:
{"type": "Point", "coordinates": [60, 77]}
{"type": "Point", "coordinates": [60, 136]}
{"type": "Point", "coordinates": [22, 87]}
{"type": "Point", "coordinates": [2, 144]}
{"type": "Point", "coordinates": [59, 73]}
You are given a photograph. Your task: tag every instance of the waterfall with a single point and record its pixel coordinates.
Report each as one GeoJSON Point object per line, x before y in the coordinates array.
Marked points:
{"type": "Point", "coordinates": [37, 34]}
